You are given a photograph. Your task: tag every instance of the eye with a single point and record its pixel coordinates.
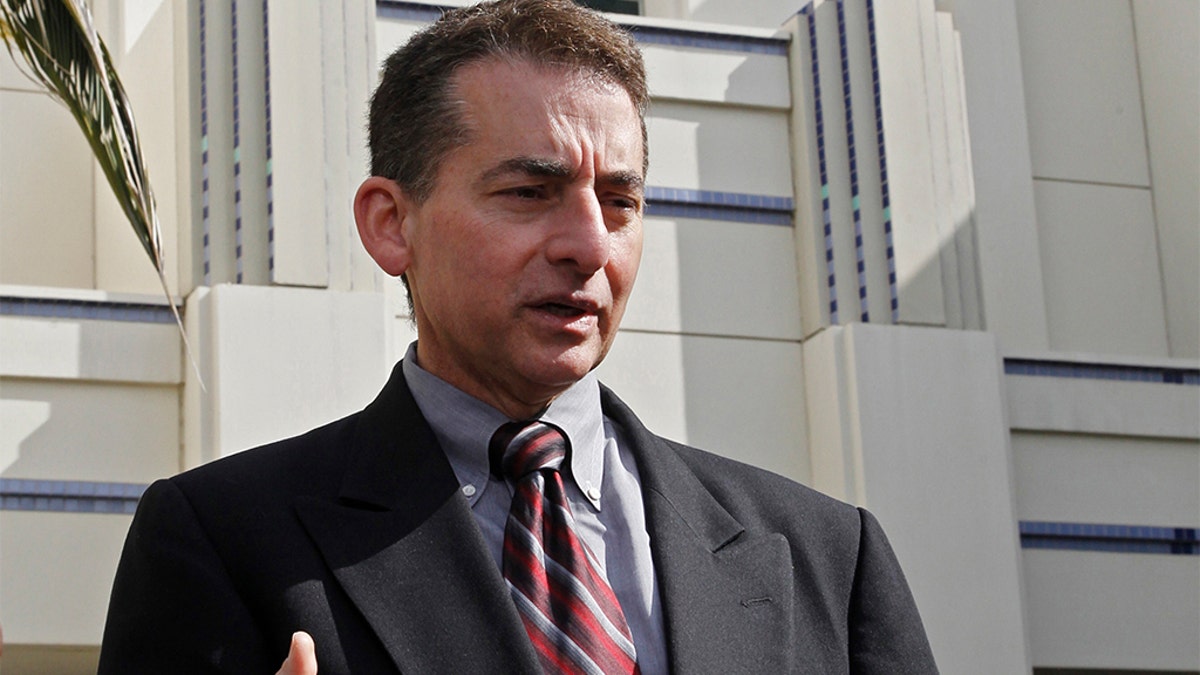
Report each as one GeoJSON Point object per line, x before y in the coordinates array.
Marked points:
{"type": "Point", "coordinates": [622, 202]}
{"type": "Point", "coordinates": [526, 192]}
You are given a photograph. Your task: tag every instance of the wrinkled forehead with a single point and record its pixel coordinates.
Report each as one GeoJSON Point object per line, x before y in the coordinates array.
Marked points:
{"type": "Point", "coordinates": [567, 83]}
{"type": "Point", "coordinates": [516, 111]}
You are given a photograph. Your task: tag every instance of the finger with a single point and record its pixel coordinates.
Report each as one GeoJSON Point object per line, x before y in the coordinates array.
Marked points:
{"type": "Point", "coordinates": [302, 656]}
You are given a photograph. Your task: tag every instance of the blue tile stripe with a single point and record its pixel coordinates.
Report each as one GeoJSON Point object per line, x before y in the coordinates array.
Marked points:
{"type": "Point", "coordinates": [237, 147]}
{"type": "Point", "coordinates": [204, 216]}
{"type": "Point", "coordinates": [408, 11]}
{"type": "Point", "coordinates": [99, 310]}
{"type": "Point", "coordinates": [676, 37]}
{"type": "Point", "coordinates": [852, 152]}
{"type": "Point", "coordinates": [19, 494]}
{"type": "Point", "coordinates": [266, 38]}
{"type": "Point", "coordinates": [1101, 371]}
{"type": "Point", "coordinates": [819, 123]}
{"type": "Point", "coordinates": [713, 205]}
{"type": "Point", "coordinates": [729, 214]}
{"type": "Point", "coordinates": [715, 198]}
{"type": "Point", "coordinates": [705, 40]}
{"type": "Point", "coordinates": [1109, 538]}
{"type": "Point", "coordinates": [885, 194]}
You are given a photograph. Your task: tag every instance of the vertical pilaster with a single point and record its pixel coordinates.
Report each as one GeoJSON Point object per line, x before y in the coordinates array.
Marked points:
{"type": "Point", "coordinates": [1012, 291]}
{"type": "Point", "coordinates": [883, 402]}
{"type": "Point", "coordinates": [250, 152]}
{"type": "Point", "coordinates": [282, 90]}
{"type": "Point", "coordinates": [217, 237]}
{"type": "Point", "coordinates": [297, 123]}
{"type": "Point", "coordinates": [349, 74]}
{"type": "Point", "coordinates": [811, 250]}
{"type": "Point", "coordinates": [881, 166]}
{"type": "Point", "coordinates": [278, 361]}
{"type": "Point", "coordinates": [913, 205]}
{"type": "Point", "coordinates": [861, 85]}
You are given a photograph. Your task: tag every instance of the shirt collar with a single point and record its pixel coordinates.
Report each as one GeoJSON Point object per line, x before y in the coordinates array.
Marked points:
{"type": "Point", "coordinates": [464, 425]}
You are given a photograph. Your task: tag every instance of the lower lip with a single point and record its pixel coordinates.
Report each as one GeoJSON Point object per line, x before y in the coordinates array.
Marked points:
{"type": "Point", "coordinates": [577, 323]}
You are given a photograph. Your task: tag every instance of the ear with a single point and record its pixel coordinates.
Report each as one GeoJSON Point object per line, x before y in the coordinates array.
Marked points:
{"type": "Point", "coordinates": [381, 209]}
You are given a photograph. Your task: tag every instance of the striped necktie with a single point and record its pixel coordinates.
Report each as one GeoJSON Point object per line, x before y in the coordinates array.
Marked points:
{"type": "Point", "coordinates": [570, 612]}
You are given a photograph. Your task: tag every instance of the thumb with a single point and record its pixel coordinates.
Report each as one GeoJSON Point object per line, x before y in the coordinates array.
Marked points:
{"type": "Point", "coordinates": [302, 656]}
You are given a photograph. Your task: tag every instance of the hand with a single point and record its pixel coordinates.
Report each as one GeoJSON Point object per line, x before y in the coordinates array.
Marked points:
{"type": "Point", "coordinates": [302, 656]}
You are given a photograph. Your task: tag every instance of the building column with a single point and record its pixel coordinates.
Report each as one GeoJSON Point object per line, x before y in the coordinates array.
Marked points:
{"type": "Point", "coordinates": [886, 411]}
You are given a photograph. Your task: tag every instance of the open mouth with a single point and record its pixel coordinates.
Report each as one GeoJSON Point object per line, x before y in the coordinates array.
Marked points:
{"type": "Point", "coordinates": [561, 310]}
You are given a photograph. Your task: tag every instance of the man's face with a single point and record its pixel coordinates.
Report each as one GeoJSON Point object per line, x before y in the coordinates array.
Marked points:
{"type": "Point", "coordinates": [524, 255]}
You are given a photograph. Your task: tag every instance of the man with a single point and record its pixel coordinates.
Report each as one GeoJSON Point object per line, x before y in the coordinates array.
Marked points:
{"type": "Point", "coordinates": [508, 160]}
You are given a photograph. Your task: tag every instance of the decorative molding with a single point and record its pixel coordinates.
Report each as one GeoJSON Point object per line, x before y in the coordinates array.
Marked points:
{"type": "Point", "coordinates": [819, 122]}
{"type": "Point", "coordinates": [237, 146]}
{"type": "Point", "coordinates": [677, 37]}
{"type": "Point", "coordinates": [1102, 371]}
{"type": "Point", "coordinates": [205, 217]}
{"type": "Point", "coordinates": [852, 155]}
{"type": "Point", "coordinates": [65, 496]}
{"type": "Point", "coordinates": [1109, 538]}
{"type": "Point", "coordinates": [660, 35]}
{"type": "Point", "coordinates": [266, 38]}
{"type": "Point", "coordinates": [890, 250]}
{"type": "Point", "coordinates": [96, 310]}
{"type": "Point", "coordinates": [409, 11]}
{"type": "Point", "coordinates": [713, 205]}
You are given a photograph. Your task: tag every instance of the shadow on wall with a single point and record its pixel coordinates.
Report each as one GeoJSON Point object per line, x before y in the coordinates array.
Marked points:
{"type": "Point", "coordinates": [731, 290]}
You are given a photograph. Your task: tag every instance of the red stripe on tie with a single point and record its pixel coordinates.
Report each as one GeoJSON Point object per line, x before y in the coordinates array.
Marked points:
{"type": "Point", "coordinates": [569, 611]}
{"type": "Point", "coordinates": [546, 591]}
{"type": "Point", "coordinates": [552, 658]}
{"type": "Point", "coordinates": [581, 625]}
{"type": "Point", "coordinates": [570, 552]}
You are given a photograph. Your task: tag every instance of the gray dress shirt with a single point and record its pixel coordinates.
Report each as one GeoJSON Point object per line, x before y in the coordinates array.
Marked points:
{"type": "Point", "coordinates": [601, 481]}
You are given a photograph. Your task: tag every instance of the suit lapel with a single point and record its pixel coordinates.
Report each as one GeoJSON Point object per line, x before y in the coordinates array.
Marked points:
{"type": "Point", "coordinates": [727, 594]}
{"type": "Point", "coordinates": [402, 542]}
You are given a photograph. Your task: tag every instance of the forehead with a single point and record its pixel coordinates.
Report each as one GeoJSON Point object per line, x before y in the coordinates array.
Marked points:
{"type": "Point", "coordinates": [509, 103]}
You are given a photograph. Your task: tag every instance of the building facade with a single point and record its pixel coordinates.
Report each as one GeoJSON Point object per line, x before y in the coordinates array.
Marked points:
{"type": "Point", "coordinates": [938, 258]}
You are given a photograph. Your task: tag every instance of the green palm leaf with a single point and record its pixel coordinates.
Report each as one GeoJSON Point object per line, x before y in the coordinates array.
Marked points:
{"type": "Point", "coordinates": [63, 52]}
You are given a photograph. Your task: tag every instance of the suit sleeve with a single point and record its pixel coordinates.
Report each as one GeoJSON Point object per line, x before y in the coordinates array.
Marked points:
{"type": "Point", "coordinates": [886, 633]}
{"type": "Point", "coordinates": [174, 608]}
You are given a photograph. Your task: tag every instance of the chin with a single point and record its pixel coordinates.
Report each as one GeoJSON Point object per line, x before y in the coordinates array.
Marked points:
{"type": "Point", "coordinates": [566, 368]}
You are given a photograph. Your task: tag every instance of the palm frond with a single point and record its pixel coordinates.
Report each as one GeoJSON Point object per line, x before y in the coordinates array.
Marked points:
{"type": "Point", "coordinates": [61, 50]}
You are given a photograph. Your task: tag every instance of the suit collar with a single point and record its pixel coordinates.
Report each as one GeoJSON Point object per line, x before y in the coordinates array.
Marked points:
{"type": "Point", "coordinates": [464, 425]}
{"type": "Point", "coordinates": [727, 593]}
{"type": "Point", "coordinates": [395, 461]}
{"type": "Point", "coordinates": [402, 542]}
{"type": "Point", "coordinates": [665, 475]}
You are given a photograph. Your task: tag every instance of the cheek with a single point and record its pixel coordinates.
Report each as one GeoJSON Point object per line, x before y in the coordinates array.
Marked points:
{"type": "Point", "coordinates": [461, 249]}
{"type": "Point", "coordinates": [626, 258]}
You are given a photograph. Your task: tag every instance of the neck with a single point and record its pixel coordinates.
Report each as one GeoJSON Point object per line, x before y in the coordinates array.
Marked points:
{"type": "Point", "coordinates": [510, 401]}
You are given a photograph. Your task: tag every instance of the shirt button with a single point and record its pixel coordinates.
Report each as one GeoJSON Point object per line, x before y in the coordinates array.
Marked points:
{"type": "Point", "coordinates": [468, 490]}
{"type": "Point", "coordinates": [593, 493]}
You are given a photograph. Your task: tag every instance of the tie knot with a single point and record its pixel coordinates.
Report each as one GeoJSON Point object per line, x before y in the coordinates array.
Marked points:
{"type": "Point", "coordinates": [520, 448]}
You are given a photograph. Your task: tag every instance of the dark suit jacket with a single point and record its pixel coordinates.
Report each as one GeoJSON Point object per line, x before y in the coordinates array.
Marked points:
{"type": "Point", "coordinates": [357, 533]}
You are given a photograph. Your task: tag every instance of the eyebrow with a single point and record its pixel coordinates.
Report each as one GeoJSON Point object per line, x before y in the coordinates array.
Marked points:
{"type": "Point", "coordinates": [626, 179]}
{"type": "Point", "coordinates": [528, 166]}
{"type": "Point", "coordinates": [550, 168]}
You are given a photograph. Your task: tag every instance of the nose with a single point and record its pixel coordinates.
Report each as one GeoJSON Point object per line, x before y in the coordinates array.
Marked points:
{"type": "Point", "coordinates": [580, 237]}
